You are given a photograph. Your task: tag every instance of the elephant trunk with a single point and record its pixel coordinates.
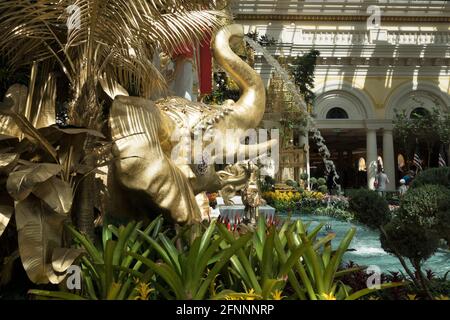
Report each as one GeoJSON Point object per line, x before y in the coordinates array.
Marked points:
{"type": "Point", "coordinates": [249, 109]}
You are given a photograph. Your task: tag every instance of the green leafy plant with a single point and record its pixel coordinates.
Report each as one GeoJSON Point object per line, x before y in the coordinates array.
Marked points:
{"type": "Point", "coordinates": [422, 205]}
{"type": "Point", "coordinates": [190, 272]}
{"type": "Point", "coordinates": [416, 230]}
{"type": "Point", "coordinates": [322, 188]}
{"type": "Point", "coordinates": [111, 272]}
{"type": "Point", "coordinates": [293, 260]}
{"type": "Point", "coordinates": [429, 128]}
{"type": "Point", "coordinates": [439, 176]}
{"type": "Point", "coordinates": [369, 208]}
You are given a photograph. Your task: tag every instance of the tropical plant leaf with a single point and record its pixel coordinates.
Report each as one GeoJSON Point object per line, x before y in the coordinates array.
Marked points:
{"type": "Point", "coordinates": [7, 161]}
{"type": "Point", "coordinates": [109, 37]}
{"type": "Point", "coordinates": [15, 101]}
{"type": "Point", "coordinates": [7, 269]}
{"type": "Point", "coordinates": [5, 215]}
{"type": "Point", "coordinates": [55, 295]}
{"type": "Point", "coordinates": [39, 232]}
{"type": "Point", "coordinates": [74, 131]}
{"type": "Point", "coordinates": [63, 258]}
{"type": "Point", "coordinates": [21, 183]}
{"type": "Point", "coordinates": [367, 291]}
{"type": "Point", "coordinates": [33, 134]}
{"type": "Point", "coordinates": [56, 193]}
{"type": "Point", "coordinates": [93, 252]}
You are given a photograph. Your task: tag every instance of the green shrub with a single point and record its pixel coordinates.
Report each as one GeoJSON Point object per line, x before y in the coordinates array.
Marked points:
{"type": "Point", "coordinates": [322, 189]}
{"type": "Point", "coordinates": [337, 213]}
{"type": "Point", "coordinates": [443, 227]}
{"type": "Point", "coordinates": [269, 180]}
{"type": "Point", "coordinates": [424, 204]}
{"type": "Point", "coordinates": [369, 208]}
{"type": "Point", "coordinates": [321, 181]}
{"type": "Point", "coordinates": [409, 240]}
{"type": "Point", "coordinates": [292, 183]}
{"type": "Point", "coordinates": [440, 176]}
{"type": "Point", "coordinates": [304, 176]}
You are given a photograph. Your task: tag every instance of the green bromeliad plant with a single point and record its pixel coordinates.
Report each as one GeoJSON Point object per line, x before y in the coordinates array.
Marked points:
{"type": "Point", "coordinates": [294, 262]}
{"type": "Point", "coordinates": [289, 262]}
{"type": "Point", "coordinates": [107, 272]}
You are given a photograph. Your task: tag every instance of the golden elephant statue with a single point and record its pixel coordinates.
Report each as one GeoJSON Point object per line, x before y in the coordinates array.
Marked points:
{"type": "Point", "coordinates": [157, 166]}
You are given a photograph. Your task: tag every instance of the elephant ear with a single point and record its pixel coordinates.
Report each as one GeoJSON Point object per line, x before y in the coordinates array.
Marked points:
{"type": "Point", "coordinates": [139, 130]}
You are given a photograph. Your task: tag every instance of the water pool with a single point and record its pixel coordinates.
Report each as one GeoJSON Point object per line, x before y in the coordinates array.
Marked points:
{"type": "Point", "coordinates": [367, 246]}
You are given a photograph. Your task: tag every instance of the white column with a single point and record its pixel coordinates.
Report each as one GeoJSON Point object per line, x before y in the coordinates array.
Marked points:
{"type": "Point", "coordinates": [183, 78]}
{"type": "Point", "coordinates": [372, 157]}
{"type": "Point", "coordinates": [389, 158]}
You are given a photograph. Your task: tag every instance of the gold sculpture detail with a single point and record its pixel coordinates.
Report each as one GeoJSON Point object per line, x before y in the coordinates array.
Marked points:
{"type": "Point", "coordinates": [151, 171]}
{"type": "Point", "coordinates": [251, 194]}
{"type": "Point", "coordinates": [241, 173]}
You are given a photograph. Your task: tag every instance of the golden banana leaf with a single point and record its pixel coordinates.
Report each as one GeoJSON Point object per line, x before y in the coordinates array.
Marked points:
{"type": "Point", "coordinates": [18, 93]}
{"type": "Point", "coordinates": [39, 233]}
{"type": "Point", "coordinates": [63, 258]}
{"type": "Point", "coordinates": [56, 193]}
{"type": "Point", "coordinates": [5, 215]}
{"type": "Point", "coordinates": [43, 111]}
{"type": "Point", "coordinates": [21, 183]}
{"type": "Point", "coordinates": [8, 161]}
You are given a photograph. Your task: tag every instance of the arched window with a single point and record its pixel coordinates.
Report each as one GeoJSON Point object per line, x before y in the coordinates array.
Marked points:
{"type": "Point", "coordinates": [362, 164]}
{"type": "Point", "coordinates": [400, 161]}
{"type": "Point", "coordinates": [418, 113]}
{"type": "Point", "coordinates": [380, 162]}
{"type": "Point", "coordinates": [337, 113]}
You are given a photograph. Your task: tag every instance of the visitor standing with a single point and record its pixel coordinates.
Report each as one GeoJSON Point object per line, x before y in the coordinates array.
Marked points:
{"type": "Point", "coordinates": [409, 178]}
{"type": "Point", "coordinates": [403, 188]}
{"type": "Point", "coordinates": [381, 181]}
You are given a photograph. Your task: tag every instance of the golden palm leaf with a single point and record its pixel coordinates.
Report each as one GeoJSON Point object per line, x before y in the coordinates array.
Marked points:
{"type": "Point", "coordinates": [113, 38]}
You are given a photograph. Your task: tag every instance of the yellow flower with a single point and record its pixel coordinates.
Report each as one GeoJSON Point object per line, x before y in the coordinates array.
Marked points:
{"type": "Point", "coordinates": [277, 295]}
{"type": "Point", "coordinates": [248, 295]}
{"type": "Point", "coordinates": [143, 290]}
{"type": "Point", "coordinates": [251, 291]}
{"type": "Point", "coordinates": [442, 297]}
{"type": "Point", "coordinates": [412, 297]}
{"type": "Point", "coordinates": [329, 296]}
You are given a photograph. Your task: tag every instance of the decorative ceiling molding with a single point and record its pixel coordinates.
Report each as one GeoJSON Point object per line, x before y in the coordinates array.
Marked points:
{"type": "Point", "coordinates": [374, 61]}
{"type": "Point", "coordinates": [300, 17]}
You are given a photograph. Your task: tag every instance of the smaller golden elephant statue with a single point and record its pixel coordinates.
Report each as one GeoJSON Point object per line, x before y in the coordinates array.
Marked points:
{"type": "Point", "coordinates": [251, 194]}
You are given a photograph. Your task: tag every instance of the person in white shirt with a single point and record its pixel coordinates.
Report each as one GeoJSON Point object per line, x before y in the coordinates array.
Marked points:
{"type": "Point", "coordinates": [403, 188]}
{"type": "Point", "coordinates": [381, 181]}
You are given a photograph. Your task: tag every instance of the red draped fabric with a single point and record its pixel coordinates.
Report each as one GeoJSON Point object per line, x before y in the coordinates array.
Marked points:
{"type": "Point", "coordinates": [205, 74]}
{"type": "Point", "coordinates": [203, 61]}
